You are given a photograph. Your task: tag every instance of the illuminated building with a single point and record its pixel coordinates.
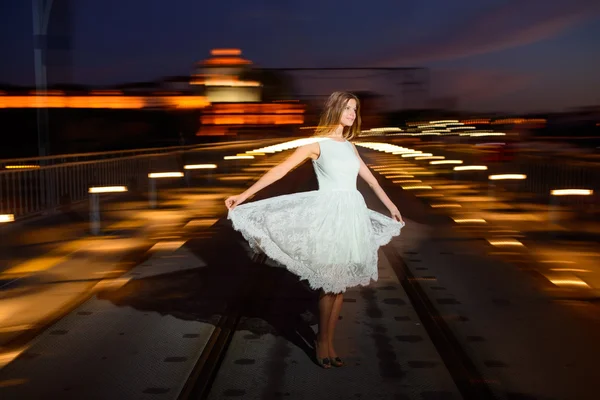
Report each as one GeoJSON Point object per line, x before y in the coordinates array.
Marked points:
{"type": "Point", "coordinates": [220, 77]}
{"type": "Point", "coordinates": [217, 87]}
{"type": "Point", "coordinates": [237, 102]}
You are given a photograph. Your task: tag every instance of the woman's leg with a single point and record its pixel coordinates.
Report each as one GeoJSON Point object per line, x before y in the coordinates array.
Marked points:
{"type": "Point", "coordinates": [333, 319]}
{"type": "Point", "coordinates": [326, 302]}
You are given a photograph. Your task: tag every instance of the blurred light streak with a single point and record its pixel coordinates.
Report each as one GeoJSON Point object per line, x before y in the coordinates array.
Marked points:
{"type": "Point", "coordinates": [507, 177]}
{"type": "Point", "coordinates": [255, 169]}
{"type": "Point", "coordinates": [21, 166]}
{"type": "Point", "coordinates": [430, 158]}
{"type": "Point", "coordinates": [557, 262]}
{"type": "Point", "coordinates": [107, 189]}
{"type": "Point", "coordinates": [416, 154]}
{"type": "Point", "coordinates": [453, 187]}
{"type": "Point", "coordinates": [12, 382]}
{"type": "Point", "coordinates": [571, 192]}
{"type": "Point", "coordinates": [236, 178]}
{"type": "Point", "coordinates": [7, 357]}
{"type": "Point", "coordinates": [201, 223]}
{"type": "Point", "coordinates": [103, 101]}
{"type": "Point", "coordinates": [7, 218]}
{"type": "Point", "coordinates": [569, 270]}
{"type": "Point", "coordinates": [31, 266]}
{"type": "Point", "coordinates": [441, 162]}
{"type": "Point", "coordinates": [16, 328]}
{"type": "Point", "coordinates": [471, 168]}
{"type": "Point", "coordinates": [472, 198]}
{"type": "Point", "coordinates": [167, 245]}
{"type": "Point", "coordinates": [567, 281]}
{"type": "Point", "coordinates": [159, 175]}
{"type": "Point", "coordinates": [106, 245]}
{"type": "Point", "coordinates": [417, 187]}
{"type": "Point", "coordinates": [200, 166]}
{"type": "Point", "coordinates": [505, 242]}
{"type": "Point", "coordinates": [112, 284]}
{"type": "Point", "coordinates": [408, 181]}
{"type": "Point", "coordinates": [469, 220]}
{"type": "Point", "coordinates": [238, 157]}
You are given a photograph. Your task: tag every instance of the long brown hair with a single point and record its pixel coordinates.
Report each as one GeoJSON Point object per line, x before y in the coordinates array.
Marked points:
{"type": "Point", "coordinates": [330, 118]}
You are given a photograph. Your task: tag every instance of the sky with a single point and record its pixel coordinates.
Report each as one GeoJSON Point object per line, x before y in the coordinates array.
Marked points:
{"type": "Point", "coordinates": [491, 55]}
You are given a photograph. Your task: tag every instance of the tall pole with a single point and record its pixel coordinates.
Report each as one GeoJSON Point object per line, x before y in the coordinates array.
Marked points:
{"type": "Point", "coordinates": [41, 17]}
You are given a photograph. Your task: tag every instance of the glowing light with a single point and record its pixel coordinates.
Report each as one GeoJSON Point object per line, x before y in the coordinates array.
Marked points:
{"type": "Point", "coordinates": [505, 242]}
{"type": "Point", "coordinates": [441, 162]}
{"type": "Point", "coordinates": [571, 192]}
{"type": "Point", "coordinates": [159, 175]}
{"type": "Point", "coordinates": [238, 157]}
{"type": "Point", "coordinates": [103, 101]}
{"type": "Point", "coordinates": [574, 281]}
{"type": "Point", "coordinates": [408, 181]}
{"type": "Point", "coordinates": [430, 158]}
{"type": "Point", "coordinates": [482, 134]}
{"type": "Point", "coordinates": [507, 177]}
{"type": "Point", "coordinates": [471, 168]}
{"type": "Point", "coordinates": [570, 270]}
{"type": "Point", "coordinates": [8, 356]}
{"type": "Point", "coordinates": [229, 82]}
{"type": "Point", "coordinates": [200, 166]}
{"type": "Point", "coordinates": [107, 189]}
{"type": "Point", "coordinates": [7, 218]}
{"type": "Point", "coordinates": [470, 220]}
{"type": "Point", "coordinates": [226, 52]}
{"type": "Point", "coordinates": [416, 187]}
{"type": "Point", "coordinates": [416, 154]}
{"type": "Point", "coordinates": [167, 245]}
{"type": "Point", "coordinates": [202, 223]}
{"type": "Point", "coordinates": [112, 284]}
{"type": "Point", "coordinates": [22, 166]}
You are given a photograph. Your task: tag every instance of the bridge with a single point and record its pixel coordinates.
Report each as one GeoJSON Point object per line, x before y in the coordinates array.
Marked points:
{"type": "Point", "coordinates": [121, 277]}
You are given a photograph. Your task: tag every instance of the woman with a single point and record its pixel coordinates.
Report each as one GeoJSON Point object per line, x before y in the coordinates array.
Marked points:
{"type": "Point", "coordinates": [328, 237]}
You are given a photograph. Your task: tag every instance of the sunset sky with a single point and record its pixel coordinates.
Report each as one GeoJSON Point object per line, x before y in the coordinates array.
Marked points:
{"type": "Point", "coordinates": [512, 55]}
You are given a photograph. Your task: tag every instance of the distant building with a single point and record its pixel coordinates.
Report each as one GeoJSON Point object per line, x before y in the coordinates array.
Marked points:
{"type": "Point", "coordinates": [220, 78]}
{"type": "Point", "coordinates": [236, 102]}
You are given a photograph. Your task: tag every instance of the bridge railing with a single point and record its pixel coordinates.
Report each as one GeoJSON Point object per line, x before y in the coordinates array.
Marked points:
{"type": "Point", "coordinates": [34, 186]}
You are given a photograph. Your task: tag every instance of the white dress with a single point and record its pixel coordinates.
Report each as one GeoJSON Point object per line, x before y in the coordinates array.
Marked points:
{"type": "Point", "coordinates": [328, 236]}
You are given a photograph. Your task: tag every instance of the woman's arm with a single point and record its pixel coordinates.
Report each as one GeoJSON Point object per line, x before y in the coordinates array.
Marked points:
{"type": "Point", "coordinates": [274, 174]}
{"type": "Point", "coordinates": [366, 174]}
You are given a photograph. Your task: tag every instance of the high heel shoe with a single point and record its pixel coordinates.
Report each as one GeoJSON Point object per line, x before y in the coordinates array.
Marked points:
{"type": "Point", "coordinates": [322, 362]}
{"type": "Point", "coordinates": [336, 362]}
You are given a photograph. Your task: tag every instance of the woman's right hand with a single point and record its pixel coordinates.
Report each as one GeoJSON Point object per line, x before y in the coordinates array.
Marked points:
{"type": "Point", "coordinates": [234, 201]}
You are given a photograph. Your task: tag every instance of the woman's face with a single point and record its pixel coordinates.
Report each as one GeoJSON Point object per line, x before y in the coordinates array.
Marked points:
{"type": "Point", "coordinates": [348, 113]}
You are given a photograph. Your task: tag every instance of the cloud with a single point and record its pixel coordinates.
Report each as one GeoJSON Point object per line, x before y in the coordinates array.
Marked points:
{"type": "Point", "coordinates": [515, 23]}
